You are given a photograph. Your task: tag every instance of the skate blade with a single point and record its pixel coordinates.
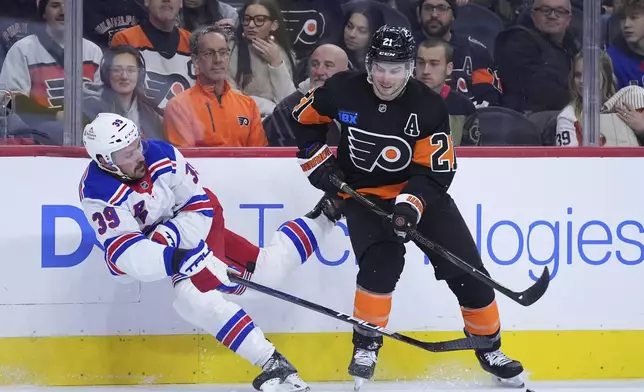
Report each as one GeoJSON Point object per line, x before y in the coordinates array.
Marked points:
{"type": "Point", "coordinates": [513, 382]}
{"type": "Point", "coordinates": [358, 382]}
{"type": "Point", "coordinates": [272, 385]}
{"type": "Point", "coordinates": [293, 383]}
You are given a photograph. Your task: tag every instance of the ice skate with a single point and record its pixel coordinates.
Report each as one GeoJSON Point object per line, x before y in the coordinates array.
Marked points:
{"type": "Point", "coordinates": [504, 370]}
{"type": "Point", "coordinates": [278, 375]}
{"type": "Point", "coordinates": [362, 366]}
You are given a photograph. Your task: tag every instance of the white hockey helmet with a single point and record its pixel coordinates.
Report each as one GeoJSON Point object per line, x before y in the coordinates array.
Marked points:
{"type": "Point", "coordinates": [107, 134]}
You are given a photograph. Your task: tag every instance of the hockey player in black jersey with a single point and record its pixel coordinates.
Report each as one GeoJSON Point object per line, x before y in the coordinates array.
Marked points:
{"type": "Point", "coordinates": [396, 148]}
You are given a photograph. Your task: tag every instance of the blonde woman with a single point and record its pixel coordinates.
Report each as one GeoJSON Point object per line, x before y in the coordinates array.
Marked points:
{"type": "Point", "coordinates": [569, 127]}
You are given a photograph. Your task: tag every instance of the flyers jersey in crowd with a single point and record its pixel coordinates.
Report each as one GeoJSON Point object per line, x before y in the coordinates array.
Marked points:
{"type": "Point", "coordinates": [168, 66]}
{"type": "Point", "coordinates": [30, 70]}
{"type": "Point", "coordinates": [385, 146]}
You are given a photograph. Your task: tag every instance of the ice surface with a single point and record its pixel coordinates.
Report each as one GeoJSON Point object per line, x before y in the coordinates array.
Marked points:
{"type": "Point", "coordinates": [563, 386]}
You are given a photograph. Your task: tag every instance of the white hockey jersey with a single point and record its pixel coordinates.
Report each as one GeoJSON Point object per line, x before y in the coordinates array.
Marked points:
{"type": "Point", "coordinates": [30, 70]}
{"type": "Point", "coordinates": [123, 215]}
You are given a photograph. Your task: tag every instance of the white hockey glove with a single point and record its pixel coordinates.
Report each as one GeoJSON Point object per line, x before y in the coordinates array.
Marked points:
{"type": "Point", "coordinates": [205, 270]}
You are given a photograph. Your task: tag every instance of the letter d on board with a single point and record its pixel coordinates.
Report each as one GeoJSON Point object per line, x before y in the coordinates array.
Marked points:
{"type": "Point", "coordinates": [49, 258]}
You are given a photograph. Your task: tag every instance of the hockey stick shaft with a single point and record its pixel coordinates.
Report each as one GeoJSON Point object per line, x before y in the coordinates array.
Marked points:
{"type": "Point", "coordinates": [469, 343]}
{"type": "Point", "coordinates": [525, 298]}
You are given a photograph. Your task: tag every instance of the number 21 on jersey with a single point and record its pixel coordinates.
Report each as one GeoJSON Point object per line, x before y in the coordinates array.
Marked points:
{"type": "Point", "coordinates": [443, 156]}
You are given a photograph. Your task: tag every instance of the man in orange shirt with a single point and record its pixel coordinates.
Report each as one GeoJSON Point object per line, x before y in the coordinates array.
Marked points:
{"type": "Point", "coordinates": [165, 49]}
{"type": "Point", "coordinates": [211, 113]}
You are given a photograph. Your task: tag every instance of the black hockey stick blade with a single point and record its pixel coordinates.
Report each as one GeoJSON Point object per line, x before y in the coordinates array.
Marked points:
{"type": "Point", "coordinates": [468, 343]}
{"type": "Point", "coordinates": [525, 298]}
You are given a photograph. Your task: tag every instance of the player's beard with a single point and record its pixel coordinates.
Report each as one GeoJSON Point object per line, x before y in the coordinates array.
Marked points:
{"type": "Point", "coordinates": [139, 171]}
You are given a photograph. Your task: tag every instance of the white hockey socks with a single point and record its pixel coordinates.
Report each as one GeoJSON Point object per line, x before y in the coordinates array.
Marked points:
{"type": "Point", "coordinates": [223, 319]}
{"type": "Point", "coordinates": [293, 243]}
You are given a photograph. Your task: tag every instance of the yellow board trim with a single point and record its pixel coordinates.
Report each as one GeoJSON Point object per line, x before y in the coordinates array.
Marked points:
{"type": "Point", "coordinates": [180, 359]}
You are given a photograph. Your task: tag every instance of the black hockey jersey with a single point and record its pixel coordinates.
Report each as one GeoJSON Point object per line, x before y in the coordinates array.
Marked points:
{"type": "Point", "coordinates": [102, 19]}
{"type": "Point", "coordinates": [18, 19]}
{"type": "Point", "coordinates": [386, 147]}
{"type": "Point", "coordinates": [310, 22]}
{"type": "Point", "coordinates": [475, 73]}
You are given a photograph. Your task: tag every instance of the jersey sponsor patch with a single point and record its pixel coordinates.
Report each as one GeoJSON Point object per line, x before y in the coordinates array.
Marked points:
{"type": "Point", "coordinates": [347, 117]}
{"type": "Point", "coordinates": [370, 150]}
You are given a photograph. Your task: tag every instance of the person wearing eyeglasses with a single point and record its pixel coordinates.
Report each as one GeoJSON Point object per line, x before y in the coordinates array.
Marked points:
{"type": "Point", "coordinates": [211, 113]}
{"type": "Point", "coordinates": [261, 60]}
{"type": "Point", "coordinates": [474, 71]}
{"type": "Point", "coordinates": [165, 49]}
{"type": "Point", "coordinates": [122, 76]}
{"type": "Point", "coordinates": [535, 58]}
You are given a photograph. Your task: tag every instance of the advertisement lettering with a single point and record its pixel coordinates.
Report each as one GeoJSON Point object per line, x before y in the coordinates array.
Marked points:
{"type": "Point", "coordinates": [555, 243]}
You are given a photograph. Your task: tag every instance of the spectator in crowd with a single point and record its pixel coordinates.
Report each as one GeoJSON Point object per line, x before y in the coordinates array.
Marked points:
{"type": "Point", "coordinates": [535, 59]}
{"type": "Point", "coordinates": [569, 129]}
{"type": "Point", "coordinates": [261, 61]}
{"type": "Point", "coordinates": [360, 23]}
{"type": "Point", "coordinates": [19, 19]}
{"type": "Point", "coordinates": [211, 113]}
{"type": "Point", "coordinates": [104, 18]}
{"type": "Point", "coordinates": [359, 26]}
{"type": "Point", "coordinates": [122, 74]}
{"type": "Point", "coordinates": [165, 49]}
{"type": "Point", "coordinates": [474, 71]}
{"type": "Point", "coordinates": [628, 51]}
{"type": "Point", "coordinates": [198, 13]}
{"type": "Point", "coordinates": [434, 65]}
{"type": "Point", "coordinates": [34, 71]}
{"type": "Point", "coordinates": [628, 106]}
{"type": "Point", "coordinates": [280, 127]}
{"type": "Point", "coordinates": [310, 22]}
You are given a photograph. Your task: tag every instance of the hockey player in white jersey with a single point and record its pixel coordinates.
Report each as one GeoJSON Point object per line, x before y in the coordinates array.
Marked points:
{"type": "Point", "coordinates": [155, 221]}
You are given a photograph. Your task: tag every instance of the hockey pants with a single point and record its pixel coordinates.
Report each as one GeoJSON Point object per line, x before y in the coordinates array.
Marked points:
{"type": "Point", "coordinates": [291, 246]}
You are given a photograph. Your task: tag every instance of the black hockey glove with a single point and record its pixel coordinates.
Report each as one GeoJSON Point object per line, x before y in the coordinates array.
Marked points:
{"type": "Point", "coordinates": [318, 163]}
{"type": "Point", "coordinates": [331, 205]}
{"type": "Point", "coordinates": [407, 213]}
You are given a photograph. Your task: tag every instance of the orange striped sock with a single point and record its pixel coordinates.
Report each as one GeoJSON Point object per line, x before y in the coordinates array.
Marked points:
{"type": "Point", "coordinates": [483, 321]}
{"type": "Point", "coordinates": [372, 307]}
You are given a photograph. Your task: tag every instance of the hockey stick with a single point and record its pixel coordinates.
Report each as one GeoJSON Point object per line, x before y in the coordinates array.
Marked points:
{"type": "Point", "coordinates": [468, 343]}
{"type": "Point", "coordinates": [525, 298]}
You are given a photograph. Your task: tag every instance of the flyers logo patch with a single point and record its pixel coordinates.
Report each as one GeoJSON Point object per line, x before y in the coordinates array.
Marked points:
{"type": "Point", "coordinates": [370, 150]}
{"type": "Point", "coordinates": [243, 121]}
{"type": "Point", "coordinates": [307, 26]}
